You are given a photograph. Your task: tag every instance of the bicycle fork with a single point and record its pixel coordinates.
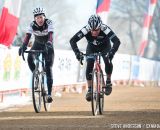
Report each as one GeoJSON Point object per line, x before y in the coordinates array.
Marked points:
{"type": "Point", "coordinates": [101, 83]}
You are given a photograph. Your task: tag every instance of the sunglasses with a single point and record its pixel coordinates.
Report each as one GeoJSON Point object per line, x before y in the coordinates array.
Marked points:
{"type": "Point", "coordinates": [95, 30]}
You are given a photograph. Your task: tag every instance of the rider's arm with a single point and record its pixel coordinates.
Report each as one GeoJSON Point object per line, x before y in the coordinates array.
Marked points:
{"type": "Point", "coordinates": [27, 38]}
{"type": "Point", "coordinates": [112, 36]}
{"type": "Point", "coordinates": [50, 31]}
{"type": "Point", "coordinates": [50, 37]}
{"type": "Point", "coordinates": [28, 34]}
{"type": "Point", "coordinates": [78, 36]}
{"type": "Point", "coordinates": [116, 42]}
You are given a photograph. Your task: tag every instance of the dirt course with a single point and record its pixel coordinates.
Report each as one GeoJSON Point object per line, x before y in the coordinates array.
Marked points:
{"type": "Point", "coordinates": [126, 108]}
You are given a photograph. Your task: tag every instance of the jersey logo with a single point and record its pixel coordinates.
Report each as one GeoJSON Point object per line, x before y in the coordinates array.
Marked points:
{"type": "Point", "coordinates": [85, 30]}
{"type": "Point", "coordinates": [95, 42]}
{"type": "Point", "coordinates": [79, 34]}
{"type": "Point", "coordinates": [39, 33]}
{"type": "Point", "coordinates": [49, 22]}
{"type": "Point", "coordinates": [100, 37]}
{"type": "Point", "coordinates": [104, 27]}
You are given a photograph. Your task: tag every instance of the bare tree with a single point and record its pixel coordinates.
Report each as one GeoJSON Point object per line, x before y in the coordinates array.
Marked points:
{"type": "Point", "coordinates": [133, 11]}
{"type": "Point", "coordinates": [154, 34]}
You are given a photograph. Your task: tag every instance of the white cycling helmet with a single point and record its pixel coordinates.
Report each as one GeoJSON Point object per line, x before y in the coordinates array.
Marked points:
{"type": "Point", "coordinates": [94, 22]}
{"type": "Point", "coordinates": [38, 11]}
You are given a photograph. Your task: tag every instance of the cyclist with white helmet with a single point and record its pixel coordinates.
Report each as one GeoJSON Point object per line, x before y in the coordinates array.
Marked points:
{"type": "Point", "coordinates": [42, 28]}
{"type": "Point", "coordinates": [98, 36]}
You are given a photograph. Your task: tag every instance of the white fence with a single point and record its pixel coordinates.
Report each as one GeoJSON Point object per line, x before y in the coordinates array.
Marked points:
{"type": "Point", "coordinates": [15, 74]}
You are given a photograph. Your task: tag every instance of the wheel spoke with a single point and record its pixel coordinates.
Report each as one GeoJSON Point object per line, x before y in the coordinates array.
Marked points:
{"type": "Point", "coordinates": [101, 99]}
{"type": "Point", "coordinates": [94, 101]}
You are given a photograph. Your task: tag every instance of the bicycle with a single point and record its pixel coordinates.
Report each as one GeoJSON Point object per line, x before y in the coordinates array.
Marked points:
{"type": "Point", "coordinates": [98, 85]}
{"type": "Point", "coordinates": [39, 89]}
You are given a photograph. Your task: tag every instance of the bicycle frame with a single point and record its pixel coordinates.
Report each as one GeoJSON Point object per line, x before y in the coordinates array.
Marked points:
{"type": "Point", "coordinates": [97, 100]}
{"type": "Point", "coordinates": [97, 67]}
{"type": "Point", "coordinates": [40, 73]}
{"type": "Point", "coordinates": [37, 60]}
{"type": "Point", "coordinates": [36, 54]}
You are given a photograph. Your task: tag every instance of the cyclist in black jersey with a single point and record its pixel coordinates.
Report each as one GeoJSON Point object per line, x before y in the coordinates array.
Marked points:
{"type": "Point", "coordinates": [98, 36]}
{"type": "Point", "coordinates": [42, 28]}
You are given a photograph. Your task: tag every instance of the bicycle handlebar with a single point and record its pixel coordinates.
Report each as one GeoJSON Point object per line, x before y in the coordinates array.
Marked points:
{"type": "Point", "coordinates": [95, 55]}
{"type": "Point", "coordinates": [32, 51]}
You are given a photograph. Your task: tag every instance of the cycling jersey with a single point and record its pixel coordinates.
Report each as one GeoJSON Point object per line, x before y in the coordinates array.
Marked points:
{"type": "Point", "coordinates": [102, 40]}
{"type": "Point", "coordinates": [101, 43]}
{"type": "Point", "coordinates": [42, 34]}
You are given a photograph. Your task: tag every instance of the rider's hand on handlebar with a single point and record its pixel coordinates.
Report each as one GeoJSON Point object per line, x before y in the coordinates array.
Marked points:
{"type": "Point", "coordinates": [80, 57]}
{"type": "Point", "coordinates": [111, 54]}
{"type": "Point", "coordinates": [22, 49]}
{"type": "Point", "coordinates": [48, 47]}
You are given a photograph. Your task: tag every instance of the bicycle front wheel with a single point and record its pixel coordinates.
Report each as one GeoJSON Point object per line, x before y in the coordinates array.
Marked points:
{"type": "Point", "coordinates": [47, 105]}
{"type": "Point", "coordinates": [36, 91]}
{"type": "Point", "coordinates": [101, 94]}
{"type": "Point", "coordinates": [95, 95]}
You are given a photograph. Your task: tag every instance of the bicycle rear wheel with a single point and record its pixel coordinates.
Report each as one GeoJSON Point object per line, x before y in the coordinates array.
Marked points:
{"type": "Point", "coordinates": [47, 105]}
{"type": "Point", "coordinates": [101, 96]}
{"type": "Point", "coordinates": [95, 95]}
{"type": "Point", "coordinates": [36, 91]}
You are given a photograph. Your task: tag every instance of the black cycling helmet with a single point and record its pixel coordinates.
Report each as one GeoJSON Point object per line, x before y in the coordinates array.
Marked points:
{"type": "Point", "coordinates": [94, 22]}
{"type": "Point", "coordinates": [38, 11]}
